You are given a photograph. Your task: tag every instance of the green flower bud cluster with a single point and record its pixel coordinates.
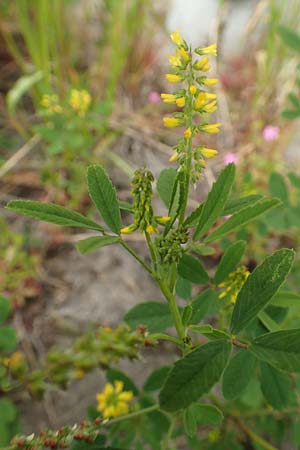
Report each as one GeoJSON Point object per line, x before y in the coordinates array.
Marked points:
{"type": "Point", "coordinates": [98, 348]}
{"type": "Point", "coordinates": [170, 247]}
{"type": "Point", "coordinates": [59, 439]}
{"type": "Point", "coordinates": [142, 192]}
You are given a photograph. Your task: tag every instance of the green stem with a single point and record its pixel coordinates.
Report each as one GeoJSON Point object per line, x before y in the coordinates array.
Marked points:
{"type": "Point", "coordinates": [255, 438]}
{"type": "Point", "coordinates": [136, 256]}
{"type": "Point", "coordinates": [166, 337]}
{"type": "Point", "coordinates": [173, 309]}
{"type": "Point", "coordinates": [152, 250]}
{"type": "Point", "coordinates": [133, 414]}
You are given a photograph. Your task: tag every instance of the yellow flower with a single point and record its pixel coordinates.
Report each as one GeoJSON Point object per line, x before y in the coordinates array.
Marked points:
{"type": "Point", "coordinates": [168, 98]}
{"type": "Point", "coordinates": [193, 89]}
{"type": "Point", "coordinates": [180, 101]}
{"type": "Point", "coordinates": [184, 55]}
{"type": "Point", "coordinates": [175, 60]}
{"type": "Point", "coordinates": [130, 229]}
{"type": "Point", "coordinates": [188, 133]}
{"type": "Point", "coordinates": [210, 50]}
{"type": "Point", "coordinates": [202, 64]}
{"type": "Point", "coordinates": [80, 101]}
{"type": "Point", "coordinates": [210, 107]}
{"type": "Point", "coordinates": [163, 219]}
{"type": "Point", "coordinates": [209, 152]}
{"type": "Point", "coordinates": [50, 102]}
{"type": "Point", "coordinates": [79, 374]}
{"type": "Point", "coordinates": [172, 78]}
{"type": "Point", "coordinates": [212, 128]}
{"type": "Point", "coordinates": [113, 401]}
{"type": "Point", "coordinates": [150, 229]}
{"type": "Point", "coordinates": [203, 98]}
{"type": "Point", "coordinates": [171, 122]}
{"type": "Point", "coordinates": [15, 360]}
{"type": "Point", "coordinates": [210, 81]}
{"type": "Point", "coordinates": [176, 38]}
{"type": "Point", "coordinates": [174, 157]}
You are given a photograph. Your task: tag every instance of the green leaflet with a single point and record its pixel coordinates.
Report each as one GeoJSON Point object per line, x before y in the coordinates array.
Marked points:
{"type": "Point", "coordinates": [235, 204]}
{"type": "Point", "coordinates": [156, 379]}
{"type": "Point", "coordinates": [229, 260]}
{"type": "Point", "coordinates": [281, 349]}
{"type": "Point", "coordinates": [53, 214]}
{"type": "Point", "coordinates": [243, 217]}
{"type": "Point", "coordinates": [238, 374]}
{"type": "Point", "coordinates": [290, 37]}
{"type": "Point", "coordinates": [8, 339]}
{"type": "Point", "coordinates": [93, 243]}
{"type": "Point", "coordinates": [260, 287]}
{"type": "Point", "coordinates": [104, 197]}
{"type": "Point", "coordinates": [278, 188]}
{"type": "Point", "coordinates": [194, 375]}
{"type": "Point", "coordinates": [216, 201]}
{"type": "Point", "coordinates": [154, 315]}
{"type": "Point", "coordinates": [165, 185]}
{"type": "Point", "coordinates": [192, 269]}
{"type": "Point", "coordinates": [5, 309]}
{"type": "Point", "coordinates": [198, 414]}
{"type": "Point", "coordinates": [276, 386]}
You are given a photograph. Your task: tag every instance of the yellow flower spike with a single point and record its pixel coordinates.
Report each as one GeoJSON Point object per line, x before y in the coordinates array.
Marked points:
{"type": "Point", "coordinates": [168, 98]}
{"type": "Point", "coordinates": [176, 38]}
{"type": "Point", "coordinates": [202, 63]}
{"type": "Point", "coordinates": [212, 128]}
{"type": "Point", "coordinates": [184, 55]}
{"type": "Point", "coordinates": [192, 89]}
{"type": "Point", "coordinates": [210, 81]}
{"type": "Point", "coordinates": [180, 101]}
{"type": "Point", "coordinates": [188, 133]}
{"type": "Point", "coordinates": [208, 152]}
{"type": "Point", "coordinates": [210, 50]}
{"type": "Point", "coordinates": [171, 122]}
{"type": "Point", "coordinates": [172, 78]}
{"type": "Point", "coordinates": [174, 157]}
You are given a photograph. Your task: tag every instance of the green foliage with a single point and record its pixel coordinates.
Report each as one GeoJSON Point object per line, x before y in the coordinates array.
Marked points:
{"type": "Point", "coordinates": [155, 316]}
{"type": "Point", "coordinates": [260, 287]}
{"type": "Point", "coordinates": [93, 243]}
{"type": "Point", "coordinates": [165, 185]}
{"type": "Point", "coordinates": [238, 374]}
{"type": "Point", "coordinates": [104, 197]}
{"type": "Point", "coordinates": [229, 261]}
{"type": "Point", "coordinates": [192, 269]}
{"type": "Point", "coordinates": [194, 375]}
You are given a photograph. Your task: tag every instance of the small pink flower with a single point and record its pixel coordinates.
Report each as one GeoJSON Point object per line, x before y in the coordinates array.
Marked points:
{"type": "Point", "coordinates": [153, 97]}
{"type": "Point", "coordinates": [227, 217]}
{"type": "Point", "coordinates": [230, 158]}
{"type": "Point", "coordinates": [270, 133]}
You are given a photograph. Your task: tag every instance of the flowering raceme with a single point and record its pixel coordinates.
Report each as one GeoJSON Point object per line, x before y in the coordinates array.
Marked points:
{"type": "Point", "coordinates": [194, 100]}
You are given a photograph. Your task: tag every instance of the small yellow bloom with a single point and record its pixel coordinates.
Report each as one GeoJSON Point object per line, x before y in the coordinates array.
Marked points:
{"type": "Point", "coordinates": [80, 101]}
{"type": "Point", "coordinates": [193, 89]}
{"type": "Point", "coordinates": [209, 152]}
{"type": "Point", "coordinates": [210, 50]}
{"type": "Point", "coordinates": [176, 38]}
{"type": "Point", "coordinates": [113, 401]}
{"type": "Point", "coordinates": [50, 102]}
{"type": "Point", "coordinates": [210, 81]}
{"type": "Point", "coordinates": [184, 55]}
{"type": "Point", "coordinates": [163, 219]}
{"type": "Point", "coordinates": [180, 101]}
{"type": "Point", "coordinates": [175, 60]}
{"type": "Point", "coordinates": [171, 122]}
{"type": "Point", "coordinates": [188, 133]}
{"type": "Point", "coordinates": [15, 360]}
{"type": "Point", "coordinates": [129, 229]}
{"type": "Point", "coordinates": [202, 162]}
{"type": "Point", "coordinates": [202, 63]}
{"type": "Point", "coordinates": [79, 374]}
{"type": "Point", "coordinates": [203, 98]}
{"type": "Point", "coordinates": [174, 157]}
{"type": "Point", "coordinates": [210, 107]}
{"type": "Point", "coordinates": [172, 78]}
{"type": "Point", "coordinates": [168, 98]}
{"type": "Point", "coordinates": [212, 128]}
{"type": "Point", "coordinates": [151, 229]}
